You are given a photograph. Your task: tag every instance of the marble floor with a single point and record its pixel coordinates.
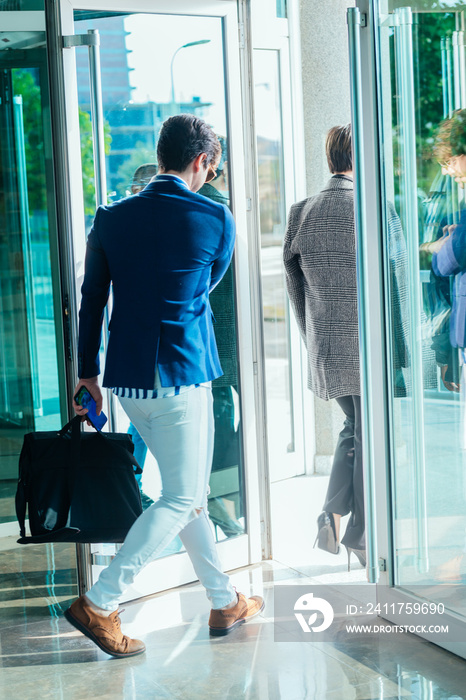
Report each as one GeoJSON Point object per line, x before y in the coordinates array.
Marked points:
{"type": "Point", "coordinates": [42, 656]}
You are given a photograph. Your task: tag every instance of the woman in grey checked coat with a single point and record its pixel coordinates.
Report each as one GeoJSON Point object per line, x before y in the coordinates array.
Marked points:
{"type": "Point", "coordinates": [320, 266]}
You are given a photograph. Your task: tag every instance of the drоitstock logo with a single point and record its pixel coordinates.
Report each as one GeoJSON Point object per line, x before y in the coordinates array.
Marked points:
{"type": "Point", "coordinates": [312, 606]}
{"type": "Point", "coordinates": [331, 613]}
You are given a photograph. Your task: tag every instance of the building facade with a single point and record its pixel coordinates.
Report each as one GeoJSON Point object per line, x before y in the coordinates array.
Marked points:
{"type": "Point", "coordinates": [83, 92]}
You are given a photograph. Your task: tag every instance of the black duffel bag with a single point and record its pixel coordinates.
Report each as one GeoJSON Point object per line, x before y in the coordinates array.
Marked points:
{"type": "Point", "coordinates": [77, 486]}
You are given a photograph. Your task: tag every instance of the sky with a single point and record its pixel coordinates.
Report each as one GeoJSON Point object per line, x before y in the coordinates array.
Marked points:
{"type": "Point", "coordinates": [197, 70]}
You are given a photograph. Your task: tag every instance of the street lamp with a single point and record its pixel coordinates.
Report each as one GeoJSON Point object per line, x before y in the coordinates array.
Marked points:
{"type": "Point", "coordinates": [185, 46]}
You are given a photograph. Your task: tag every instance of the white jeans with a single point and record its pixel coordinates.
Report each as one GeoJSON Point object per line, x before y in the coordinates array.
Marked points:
{"type": "Point", "coordinates": [179, 431]}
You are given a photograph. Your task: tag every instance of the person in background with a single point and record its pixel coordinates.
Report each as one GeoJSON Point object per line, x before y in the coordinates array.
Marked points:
{"type": "Point", "coordinates": [449, 252]}
{"type": "Point", "coordinates": [160, 362]}
{"type": "Point", "coordinates": [225, 509]}
{"type": "Point", "coordinates": [320, 267]}
{"type": "Point", "coordinates": [449, 261]}
{"type": "Point", "coordinates": [217, 188]}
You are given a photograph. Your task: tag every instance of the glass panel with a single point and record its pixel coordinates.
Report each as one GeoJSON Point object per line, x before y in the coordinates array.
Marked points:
{"type": "Point", "coordinates": [268, 121]}
{"type": "Point", "coordinates": [29, 384]}
{"type": "Point", "coordinates": [269, 10]}
{"type": "Point", "coordinates": [32, 393]}
{"type": "Point", "coordinates": [282, 9]}
{"type": "Point", "coordinates": [422, 80]}
{"type": "Point", "coordinates": [189, 57]}
{"type": "Point", "coordinates": [427, 5]}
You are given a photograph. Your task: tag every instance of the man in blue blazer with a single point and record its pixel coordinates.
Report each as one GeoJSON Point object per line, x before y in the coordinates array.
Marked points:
{"type": "Point", "coordinates": [163, 250]}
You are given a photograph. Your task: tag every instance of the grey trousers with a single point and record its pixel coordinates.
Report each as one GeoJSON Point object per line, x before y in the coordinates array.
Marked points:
{"type": "Point", "coordinates": [345, 492]}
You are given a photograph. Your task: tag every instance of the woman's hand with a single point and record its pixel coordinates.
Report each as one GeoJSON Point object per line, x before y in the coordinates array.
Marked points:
{"type": "Point", "coordinates": [435, 246]}
{"type": "Point", "coordinates": [451, 386]}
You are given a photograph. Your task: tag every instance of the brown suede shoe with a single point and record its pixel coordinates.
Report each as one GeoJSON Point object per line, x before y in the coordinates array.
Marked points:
{"type": "Point", "coordinates": [103, 631]}
{"type": "Point", "coordinates": [222, 622]}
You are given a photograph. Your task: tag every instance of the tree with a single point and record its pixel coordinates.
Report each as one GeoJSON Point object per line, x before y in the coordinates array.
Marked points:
{"type": "Point", "coordinates": [25, 85]}
{"type": "Point", "coordinates": [428, 30]}
{"type": "Point", "coordinates": [87, 159]}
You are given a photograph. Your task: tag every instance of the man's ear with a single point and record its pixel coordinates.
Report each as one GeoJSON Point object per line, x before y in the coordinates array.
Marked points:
{"type": "Point", "coordinates": [198, 163]}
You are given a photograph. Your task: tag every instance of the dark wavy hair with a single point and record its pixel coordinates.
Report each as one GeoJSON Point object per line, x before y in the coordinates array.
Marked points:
{"type": "Point", "coordinates": [338, 149]}
{"type": "Point", "coordinates": [182, 138]}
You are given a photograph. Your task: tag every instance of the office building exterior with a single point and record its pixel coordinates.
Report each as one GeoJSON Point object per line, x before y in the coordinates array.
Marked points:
{"type": "Point", "coordinates": [84, 89]}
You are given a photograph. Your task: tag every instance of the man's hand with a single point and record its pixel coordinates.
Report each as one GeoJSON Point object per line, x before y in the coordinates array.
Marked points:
{"type": "Point", "coordinates": [451, 386]}
{"type": "Point", "coordinates": [93, 388]}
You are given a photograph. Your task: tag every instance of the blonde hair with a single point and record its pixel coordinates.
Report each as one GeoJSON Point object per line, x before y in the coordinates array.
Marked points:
{"type": "Point", "coordinates": [450, 140]}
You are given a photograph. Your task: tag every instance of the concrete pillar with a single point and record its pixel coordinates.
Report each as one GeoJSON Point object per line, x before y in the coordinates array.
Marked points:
{"type": "Point", "coordinates": [326, 88]}
{"type": "Point", "coordinates": [326, 101]}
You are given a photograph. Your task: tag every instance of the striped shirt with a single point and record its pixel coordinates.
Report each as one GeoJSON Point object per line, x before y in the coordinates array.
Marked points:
{"type": "Point", "coordinates": [158, 392]}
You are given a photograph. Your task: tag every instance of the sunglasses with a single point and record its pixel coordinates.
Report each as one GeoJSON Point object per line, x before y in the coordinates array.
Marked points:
{"type": "Point", "coordinates": [211, 174]}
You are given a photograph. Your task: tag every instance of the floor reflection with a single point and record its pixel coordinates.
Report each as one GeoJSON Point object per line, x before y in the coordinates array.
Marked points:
{"type": "Point", "coordinates": [40, 650]}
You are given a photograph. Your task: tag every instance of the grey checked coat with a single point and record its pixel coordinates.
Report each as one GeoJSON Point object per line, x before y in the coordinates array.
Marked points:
{"type": "Point", "coordinates": [320, 266]}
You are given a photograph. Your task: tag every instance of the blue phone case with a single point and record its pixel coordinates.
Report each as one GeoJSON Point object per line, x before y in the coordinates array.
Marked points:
{"type": "Point", "coordinates": [84, 399]}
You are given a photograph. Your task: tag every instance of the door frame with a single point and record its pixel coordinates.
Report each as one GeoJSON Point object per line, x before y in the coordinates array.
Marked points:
{"type": "Point", "coordinates": [298, 462]}
{"type": "Point", "coordinates": [247, 548]}
{"type": "Point", "coordinates": [283, 36]}
{"type": "Point", "coordinates": [379, 426]}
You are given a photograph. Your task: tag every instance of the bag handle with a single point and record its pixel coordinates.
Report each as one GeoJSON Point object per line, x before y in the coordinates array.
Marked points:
{"type": "Point", "coordinates": [75, 426]}
{"type": "Point", "coordinates": [132, 458]}
{"type": "Point", "coordinates": [20, 507]}
{"type": "Point", "coordinates": [22, 489]}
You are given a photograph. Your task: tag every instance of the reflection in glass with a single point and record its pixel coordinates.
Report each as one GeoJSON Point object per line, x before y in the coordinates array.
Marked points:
{"type": "Point", "coordinates": [272, 225]}
{"type": "Point", "coordinates": [188, 54]}
{"type": "Point", "coordinates": [29, 385]}
{"type": "Point", "coordinates": [225, 504]}
{"type": "Point", "coordinates": [429, 501]}
{"type": "Point", "coordinates": [282, 9]}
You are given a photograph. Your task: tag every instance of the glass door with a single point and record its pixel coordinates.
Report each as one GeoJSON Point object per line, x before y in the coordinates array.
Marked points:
{"type": "Point", "coordinates": [413, 166]}
{"type": "Point", "coordinates": [33, 393]}
{"type": "Point", "coordinates": [157, 60]}
{"type": "Point", "coordinates": [279, 186]}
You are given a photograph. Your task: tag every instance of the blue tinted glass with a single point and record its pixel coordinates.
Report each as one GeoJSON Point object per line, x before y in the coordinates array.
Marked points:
{"type": "Point", "coordinates": [282, 8]}
{"type": "Point", "coordinates": [424, 193]}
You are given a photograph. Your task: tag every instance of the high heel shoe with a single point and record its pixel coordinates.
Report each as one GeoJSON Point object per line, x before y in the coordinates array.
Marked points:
{"type": "Point", "coordinates": [326, 536]}
{"type": "Point", "coordinates": [360, 553]}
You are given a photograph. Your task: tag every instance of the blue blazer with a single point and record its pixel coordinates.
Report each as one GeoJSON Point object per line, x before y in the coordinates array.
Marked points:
{"type": "Point", "coordinates": [164, 250]}
{"type": "Point", "coordinates": [451, 260]}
